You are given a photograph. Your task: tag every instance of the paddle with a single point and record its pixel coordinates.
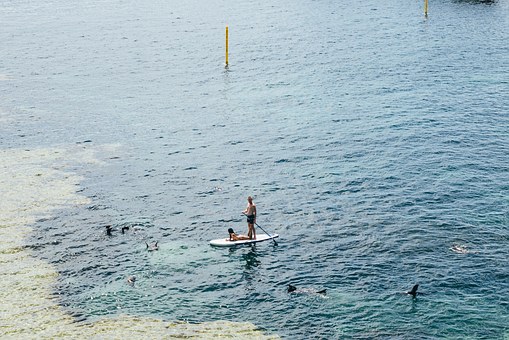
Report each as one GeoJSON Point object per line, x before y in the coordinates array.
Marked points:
{"type": "Point", "coordinates": [275, 243]}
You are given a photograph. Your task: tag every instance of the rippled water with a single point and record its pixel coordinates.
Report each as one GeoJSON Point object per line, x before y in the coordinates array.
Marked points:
{"type": "Point", "coordinates": [373, 140]}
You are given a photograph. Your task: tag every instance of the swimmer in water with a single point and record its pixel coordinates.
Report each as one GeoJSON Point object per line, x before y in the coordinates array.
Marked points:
{"type": "Point", "coordinates": [293, 289]}
{"type": "Point", "coordinates": [152, 247]}
{"type": "Point", "coordinates": [461, 249]}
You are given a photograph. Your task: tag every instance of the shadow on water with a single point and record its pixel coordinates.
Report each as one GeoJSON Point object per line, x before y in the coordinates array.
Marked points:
{"type": "Point", "coordinates": [250, 257]}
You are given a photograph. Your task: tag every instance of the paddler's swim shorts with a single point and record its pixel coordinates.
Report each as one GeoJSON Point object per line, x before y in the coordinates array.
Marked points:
{"type": "Point", "coordinates": [250, 219]}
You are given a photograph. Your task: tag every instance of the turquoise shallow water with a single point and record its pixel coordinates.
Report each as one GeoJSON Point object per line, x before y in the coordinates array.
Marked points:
{"type": "Point", "coordinates": [372, 139]}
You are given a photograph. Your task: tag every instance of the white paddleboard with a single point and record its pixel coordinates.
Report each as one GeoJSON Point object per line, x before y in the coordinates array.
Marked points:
{"type": "Point", "coordinates": [225, 242]}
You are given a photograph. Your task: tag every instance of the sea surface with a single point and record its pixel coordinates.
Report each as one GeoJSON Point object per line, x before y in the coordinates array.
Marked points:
{"type": "Point", "coordinates": [373, 139]}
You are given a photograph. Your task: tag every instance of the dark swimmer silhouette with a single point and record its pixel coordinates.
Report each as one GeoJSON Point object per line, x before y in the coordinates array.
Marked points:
{"type": "Point", "coordinates": [293, 289]}
{"type": "Point", "coordinates": [152, 247]}
{"type": "Point", "coordinates": [108, 230]}
{"type": "Point", "coordinates": [414, 291]}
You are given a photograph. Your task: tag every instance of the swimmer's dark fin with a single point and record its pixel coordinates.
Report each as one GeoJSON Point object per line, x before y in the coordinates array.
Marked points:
{"type": "Point", "coordinates": [323, 291]}
{"type": "Point", "coordinates": [291, 288]}
{"type": "Point", "coordinates": [413, 292]}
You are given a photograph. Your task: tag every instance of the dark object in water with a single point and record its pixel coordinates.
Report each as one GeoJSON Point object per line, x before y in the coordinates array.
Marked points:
{"type": "Point", "coordinates": [152, 247]}
{"type": "Point", "coordinates": [414, 292]}
{"type": "Point", "coordinates": [108, 230]}
{"type": "Point", "coordinates": [124, 229]}
{"type": "Point", "coordinates": [292, 288]}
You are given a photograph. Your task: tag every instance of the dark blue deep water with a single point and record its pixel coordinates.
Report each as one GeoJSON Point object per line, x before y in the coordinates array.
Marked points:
{"type": "Point", "coordinates": [372, 139]}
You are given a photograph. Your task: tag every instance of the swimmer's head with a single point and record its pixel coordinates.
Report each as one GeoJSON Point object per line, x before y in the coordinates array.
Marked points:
{"type": "Point", "coordinates": [230, 231]}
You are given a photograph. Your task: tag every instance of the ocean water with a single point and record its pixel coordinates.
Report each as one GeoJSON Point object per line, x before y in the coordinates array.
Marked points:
{"type": "Point", "coordinates": [374, 140]}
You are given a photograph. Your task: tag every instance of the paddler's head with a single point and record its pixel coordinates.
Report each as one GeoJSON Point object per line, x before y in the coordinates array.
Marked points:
{"type": "Point", "coordinates": [230, 231]}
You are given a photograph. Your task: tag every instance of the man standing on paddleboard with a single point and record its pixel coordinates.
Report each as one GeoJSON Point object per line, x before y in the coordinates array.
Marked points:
{"type": "Point", "coordinates": [250, 213]}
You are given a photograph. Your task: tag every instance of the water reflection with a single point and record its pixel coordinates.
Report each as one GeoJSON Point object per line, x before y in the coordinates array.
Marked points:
{"type": "Point", "coordinates": [251, 266]}
{"type": "Point", "coordinates": [251, 259]}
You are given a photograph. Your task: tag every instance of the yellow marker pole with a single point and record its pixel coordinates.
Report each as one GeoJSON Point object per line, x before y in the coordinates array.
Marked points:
{"type": "Point", "coordinates": [226, 45]}
{"type": "Point", "coordinates": [426, 8]}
